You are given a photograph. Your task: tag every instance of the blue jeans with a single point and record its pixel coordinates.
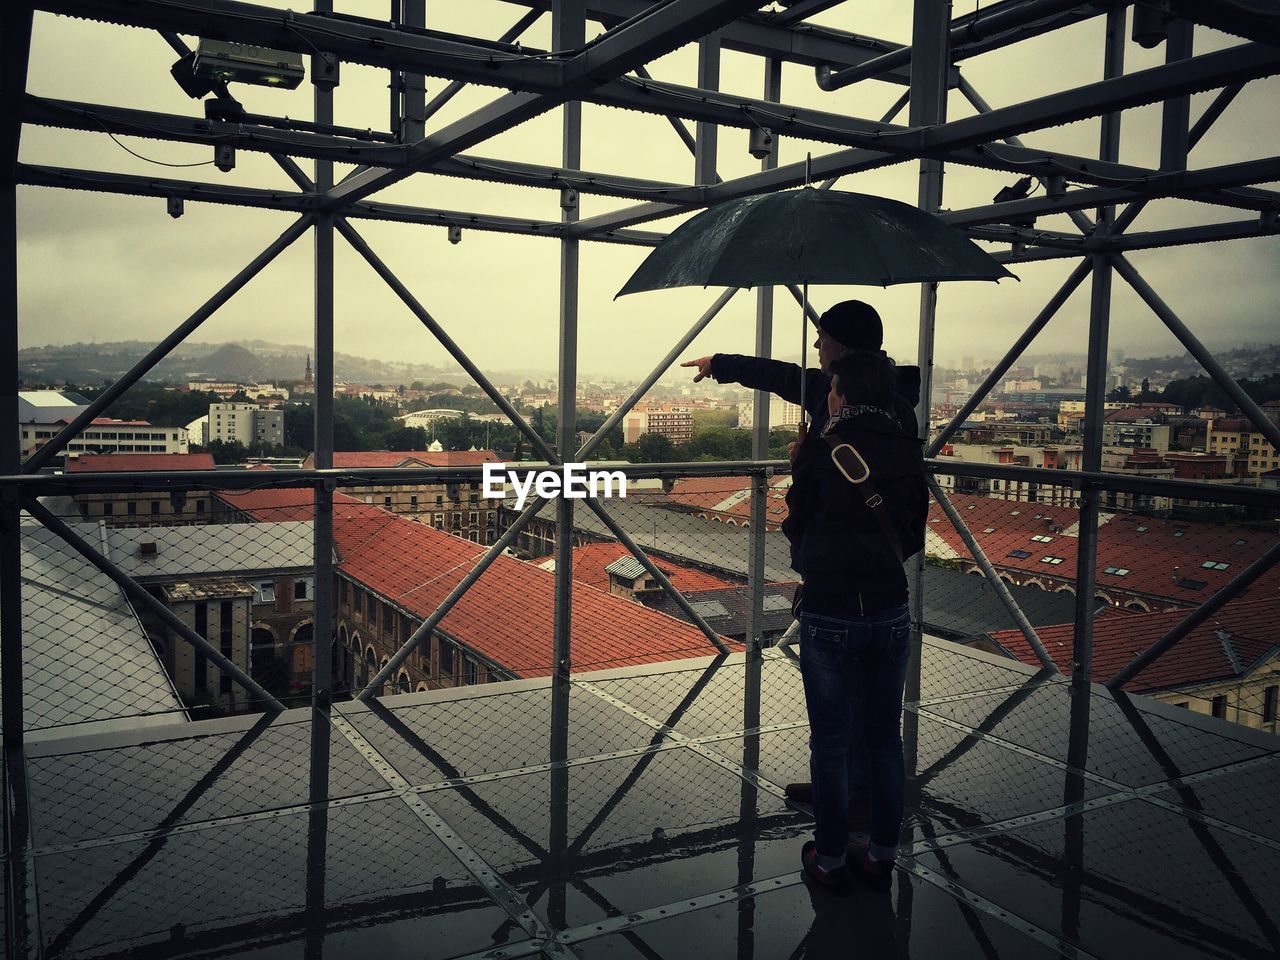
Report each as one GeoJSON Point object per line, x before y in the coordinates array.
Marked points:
{"type": "Point", "coordinates": [854, 671]}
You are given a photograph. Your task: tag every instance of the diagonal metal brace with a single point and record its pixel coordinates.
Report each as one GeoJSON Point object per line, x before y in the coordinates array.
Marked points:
{"type": "Point", "coordinates": [654, 571]}
{"type": "Point", "coordinates": [988, 571]}
{"type": "Point", "coordinates": [465, 584]}
{"type": "Point", "coordinates": [136, 593]}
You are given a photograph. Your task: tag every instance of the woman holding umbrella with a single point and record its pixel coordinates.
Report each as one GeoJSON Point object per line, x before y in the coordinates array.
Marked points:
{"type": "Point", "coordinates": [856, 510]}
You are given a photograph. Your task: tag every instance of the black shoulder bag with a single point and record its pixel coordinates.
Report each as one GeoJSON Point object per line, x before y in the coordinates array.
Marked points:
{"type": "Point", "coordinates": [854, 469]}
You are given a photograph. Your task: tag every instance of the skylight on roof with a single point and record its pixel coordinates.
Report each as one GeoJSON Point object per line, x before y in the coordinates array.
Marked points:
{"type": "Point", "coordinates": [1188, 584]}
{"type": "Point", "coordinates": [776, 601]}
{"type": "Point", "coordinates": [1052, 561]}
{"type": "Point", "coordinates": [709, 608]}
{"type": "Point", "coordinates": [1042, 538]}
{"type": "Point", "coordinates": [989, 530]}
{"type": "Point", "coordinates": [1117, 571]}
{"type": "Point", "coordinates": [1020, 554]}
{"type": "Point", "coordinates": [1141, 529]}
{"type": "Point", "coordinates": [1214, 565]}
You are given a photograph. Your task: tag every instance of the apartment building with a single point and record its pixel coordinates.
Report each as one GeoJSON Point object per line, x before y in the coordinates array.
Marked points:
{"type": "Point", "coordinates": [1237, 438]}
{"type": "Point", "coordinates": [674, 423]}
{"type": "Point", "coordinates": [105, 435]}
{"type": "Point", "coordinates": [246, 423]}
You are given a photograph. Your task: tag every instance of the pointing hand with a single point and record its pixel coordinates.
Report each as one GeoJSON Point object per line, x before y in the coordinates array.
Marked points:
{"type": "Point", "coordinates": [704, 367]}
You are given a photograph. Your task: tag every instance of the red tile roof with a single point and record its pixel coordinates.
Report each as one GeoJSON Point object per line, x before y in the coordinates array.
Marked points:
{"type": "Point", "coordinates": [1246, 627]}
{"type": "Point", "coordinates": [589, 564]}
{"type": "Point", "coordinates": [118, 462]}
{"type": "Point", "coordinates": [508, 615]}
{"type": "Point", "coordinates": [362, 459]}
{"type": "Point", "coordinates": [1163, 558]}
{"type": "Point", "coordinates": [107, 421]}
{"type": "Point", "coordinates": [722, 498]}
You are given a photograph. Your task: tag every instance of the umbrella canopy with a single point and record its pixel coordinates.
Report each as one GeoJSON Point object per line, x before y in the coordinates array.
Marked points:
{"type": "Point", "coordinates": [812, 236]}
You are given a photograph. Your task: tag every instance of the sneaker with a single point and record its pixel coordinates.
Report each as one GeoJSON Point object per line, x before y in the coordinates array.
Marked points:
{"type": "Point", "coordinates": [834, 880]}
{"type": "Point", "coordinates": [876, 874]}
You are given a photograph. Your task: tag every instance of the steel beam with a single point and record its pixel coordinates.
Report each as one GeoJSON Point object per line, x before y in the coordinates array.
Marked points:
{"type": "Point", "coordinates": [760, 404]}
{"type": "Point", "coordinates": [618, 51]}
{"type": "Point", "coordinates": [1004, 18]}
{"type": "Point", "coordinates": [15, 48]}
{"type": "Point", "coordinates": [771, 36]}
{"type": "Point", "coordinates": [46, 453]}
{"type": "Point", "coordinates": [1224, 595]}
{"type": "Point", "coordinates": [93, 117]}
{"type": "Point", "coordinates": [568, 32]}
{"type": "Point", "coordinates": [1095, 397]}
{"type": "Point", "coordinates": [141, 597]}
{"type": "Point", "coordinates": [1186, 185]}
{"type": "Point", "coordinates": [1152, 240]}
{"type": "Point", "coordinates": [455, 87]}
{"type": "Point", "coordinates": [324, 628]}
{"type": "Point", "coordinates": [930, 38]}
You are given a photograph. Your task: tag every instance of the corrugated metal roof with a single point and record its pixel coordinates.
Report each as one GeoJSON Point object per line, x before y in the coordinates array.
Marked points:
{"type": "Point", "coordinates": [627, 568]}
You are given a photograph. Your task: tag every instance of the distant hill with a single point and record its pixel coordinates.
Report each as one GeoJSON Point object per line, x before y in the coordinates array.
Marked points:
{"type": "Point", "coordinates": [255, 360]}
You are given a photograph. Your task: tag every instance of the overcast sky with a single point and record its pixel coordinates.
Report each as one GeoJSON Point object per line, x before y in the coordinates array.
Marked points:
{"type": "Point", "coordinates": [113, 268]}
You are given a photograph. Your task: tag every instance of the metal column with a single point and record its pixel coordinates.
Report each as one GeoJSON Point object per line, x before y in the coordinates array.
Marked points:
{"type": "Point", "coordinates": [568, 31]}
{"type": "Point", "coordinates": [15, 43]}
{"type": "Point", "coordinates": [760, 411]}
{"type": "Point", "coordinates": [930, 35]}
{"type": "Point", "coordinates": [322, 534]}
{"type": "Point", "coordinates": [1096, 388]}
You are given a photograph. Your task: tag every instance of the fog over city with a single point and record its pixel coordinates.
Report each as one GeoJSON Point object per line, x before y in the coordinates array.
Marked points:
{"type": "Point", "coordinates": [118, 268]}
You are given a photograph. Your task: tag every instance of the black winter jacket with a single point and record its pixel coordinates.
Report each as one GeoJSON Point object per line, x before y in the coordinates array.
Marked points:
{"type": "Point", "coordinates": [783, 379]}
{"type": "Point", "coordinates": [837, 545]}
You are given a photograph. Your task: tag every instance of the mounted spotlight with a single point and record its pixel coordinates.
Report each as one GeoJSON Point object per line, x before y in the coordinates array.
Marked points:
{"type": "Point", "coordinates": [245, 63]}
{"type": "Point", "coordinates": [1150, 25]}
{"type": "Point", "coordinates": [1017, 191]}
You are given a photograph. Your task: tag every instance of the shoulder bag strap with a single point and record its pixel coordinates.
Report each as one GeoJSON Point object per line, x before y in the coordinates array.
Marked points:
{"type": "Point", "coordinates": [850, 463]}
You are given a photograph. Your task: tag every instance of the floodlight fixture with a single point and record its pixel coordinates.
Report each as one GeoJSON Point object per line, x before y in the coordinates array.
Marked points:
{"type": "Point", "coordinates": [224, 157]}
{"type": "Point", "coordinates": [175, 206]}
{"type": "Point", "coordinates": [197, 88]}
{"type": "Point", "coordinates": [455, 233]}
{"type": "Point", "coordinates": [246, 63]}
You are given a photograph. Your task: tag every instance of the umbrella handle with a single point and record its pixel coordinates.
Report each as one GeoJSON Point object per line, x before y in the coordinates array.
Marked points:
{"type": "Point", "coordinates": [804, 357]}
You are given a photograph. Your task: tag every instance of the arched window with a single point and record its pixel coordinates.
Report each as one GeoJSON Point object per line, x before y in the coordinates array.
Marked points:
{"type": "Point", "coordinates": [402, 683]}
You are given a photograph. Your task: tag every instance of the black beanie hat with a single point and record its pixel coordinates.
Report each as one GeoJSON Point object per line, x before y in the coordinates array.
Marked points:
{"type": "Point", "coordinates": [853, 324]}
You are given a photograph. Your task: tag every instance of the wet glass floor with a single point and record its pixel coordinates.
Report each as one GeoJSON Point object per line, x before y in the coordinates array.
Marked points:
{"type": "Point", "coordinates": [650, 824]}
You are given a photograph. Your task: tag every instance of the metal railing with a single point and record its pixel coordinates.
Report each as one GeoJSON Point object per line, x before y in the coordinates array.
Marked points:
{"type": "Point", "coordinates": [690, 528]}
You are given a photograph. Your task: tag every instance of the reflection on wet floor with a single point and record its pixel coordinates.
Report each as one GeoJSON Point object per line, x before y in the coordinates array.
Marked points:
{"type": "Point", "coordinates": [1040, 822]}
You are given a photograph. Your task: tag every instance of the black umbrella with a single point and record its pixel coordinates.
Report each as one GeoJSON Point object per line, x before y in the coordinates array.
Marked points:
{"type": "Point", "coordinates": [812, 236]}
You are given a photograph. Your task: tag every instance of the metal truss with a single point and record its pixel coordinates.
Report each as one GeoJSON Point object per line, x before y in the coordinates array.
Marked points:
{"type": "Point", "coordinates": [1101, 196]}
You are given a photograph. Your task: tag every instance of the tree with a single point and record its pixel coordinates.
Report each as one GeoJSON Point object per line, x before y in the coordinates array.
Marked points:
{"type": "Point", "coordinates": [406, 438]}
{"type": "Point", "coordinates": [650, 448]}
{"type": "Point", "coordinates": [1120, 394]}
